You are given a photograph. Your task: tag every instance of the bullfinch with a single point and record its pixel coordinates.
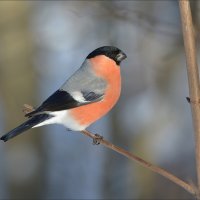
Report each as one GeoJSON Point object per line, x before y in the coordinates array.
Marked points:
{"type": "Point", "coordinates": [84, 98]}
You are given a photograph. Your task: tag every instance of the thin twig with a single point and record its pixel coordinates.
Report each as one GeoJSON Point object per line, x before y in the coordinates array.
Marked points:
{"type": "Point", "coordinates": [99, 140]}
{"type": "Point", "coordinates": [193, 76]}
{"type": "Point", "coordinates": [142, 162]}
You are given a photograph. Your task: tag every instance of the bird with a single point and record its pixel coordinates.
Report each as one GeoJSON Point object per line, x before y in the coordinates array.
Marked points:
{"type": "Point", "coordinates": [85, 97]}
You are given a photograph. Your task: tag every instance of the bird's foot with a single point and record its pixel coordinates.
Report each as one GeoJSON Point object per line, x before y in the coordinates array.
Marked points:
{"type": "Point", "coordinates": [97, 139]}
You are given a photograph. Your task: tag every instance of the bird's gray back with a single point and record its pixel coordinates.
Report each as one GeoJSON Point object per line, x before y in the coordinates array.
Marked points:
{"type": "Point", "coordinates": [85, 80]}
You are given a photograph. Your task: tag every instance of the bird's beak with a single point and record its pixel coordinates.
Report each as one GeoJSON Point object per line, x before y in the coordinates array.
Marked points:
{"type": "Point", "coordinates": [121, 56]}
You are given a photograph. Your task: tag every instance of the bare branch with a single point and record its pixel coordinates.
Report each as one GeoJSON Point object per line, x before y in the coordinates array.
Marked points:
{"type": "Point", "coordinates": [190, 188]}
{"type": "Point", "coordinates": [193, 76]}
{"type": "Point", "coordinates": [97, 139]}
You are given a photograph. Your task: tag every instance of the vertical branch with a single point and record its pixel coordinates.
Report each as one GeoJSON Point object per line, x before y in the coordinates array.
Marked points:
{"type": "Point", "coordinates": [193, 76]}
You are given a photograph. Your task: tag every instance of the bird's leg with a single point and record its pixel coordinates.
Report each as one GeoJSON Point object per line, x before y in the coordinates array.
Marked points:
{"type": "Point", "coordinates": [97, 139]}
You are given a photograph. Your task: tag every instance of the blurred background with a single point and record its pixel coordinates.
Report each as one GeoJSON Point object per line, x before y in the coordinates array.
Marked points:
{"type": "Point", "coordinates": [41, 44]}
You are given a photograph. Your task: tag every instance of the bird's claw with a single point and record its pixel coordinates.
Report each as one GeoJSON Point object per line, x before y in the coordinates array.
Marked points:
{"type": "Point", "coordinates": [97, 139]}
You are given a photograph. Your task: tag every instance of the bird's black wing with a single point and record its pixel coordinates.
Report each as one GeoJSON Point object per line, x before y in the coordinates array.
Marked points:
{"type": "Point", "coordinates": [62, 100]}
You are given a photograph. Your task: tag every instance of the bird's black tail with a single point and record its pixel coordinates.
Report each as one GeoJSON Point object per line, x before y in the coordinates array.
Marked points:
{"type": "Point", "coordinates": [25, 126]}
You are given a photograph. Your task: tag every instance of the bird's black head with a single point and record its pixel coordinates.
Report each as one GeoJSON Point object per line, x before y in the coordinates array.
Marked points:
{"type": "Point", "coordinates": [112, 52]}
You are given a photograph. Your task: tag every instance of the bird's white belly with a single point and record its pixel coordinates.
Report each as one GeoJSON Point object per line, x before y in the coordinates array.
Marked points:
{"type": "Point", "coordinates": [64, 118]}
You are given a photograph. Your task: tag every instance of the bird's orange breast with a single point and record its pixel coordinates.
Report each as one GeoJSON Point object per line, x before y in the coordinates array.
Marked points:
{"type": "Point", "coordinates": [107, 69]}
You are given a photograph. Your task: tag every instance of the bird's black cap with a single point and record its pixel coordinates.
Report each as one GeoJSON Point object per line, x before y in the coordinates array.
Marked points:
{"type": "Point", "coordinates": [112, 52]}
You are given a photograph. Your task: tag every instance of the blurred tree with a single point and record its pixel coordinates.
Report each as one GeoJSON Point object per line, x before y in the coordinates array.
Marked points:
{"type": "Point", "coordinates": [18, 84]}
